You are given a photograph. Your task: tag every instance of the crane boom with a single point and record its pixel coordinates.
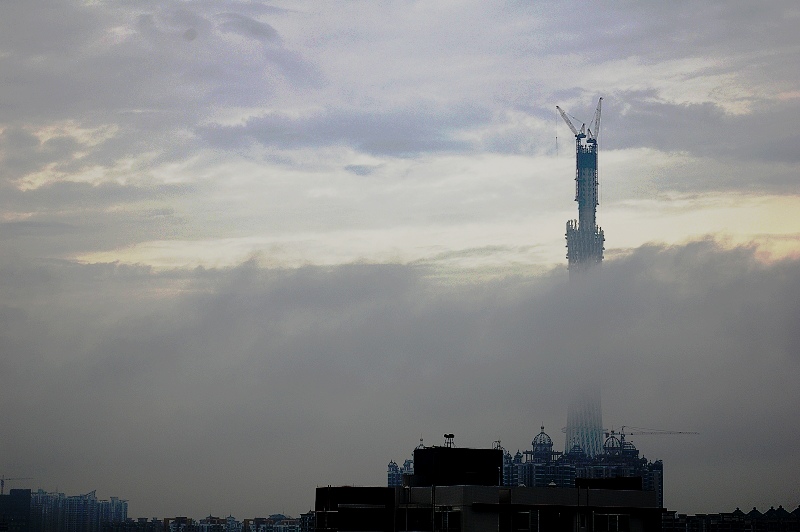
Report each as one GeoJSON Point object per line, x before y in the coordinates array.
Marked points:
{"type": "Point", "coordinates": [594, 131]}
{"type": "Point", "coordinates": [647, 432]}
{"type": "Point", "coordinates": [568, 121]}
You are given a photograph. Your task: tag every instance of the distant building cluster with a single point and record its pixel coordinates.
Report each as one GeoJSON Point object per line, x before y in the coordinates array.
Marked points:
{"type": "Point", "coordinates": [57, 512]}
{"type": "Point", "coordinates": [40, 511]}
{"type": "Point", "coordinates": [396, 472]}
{"type": "Point", "coordinates": [541, 466]}
{"type": "Point", "coordinates": [753, 521]}
{"type": "Point", "coordinates": [273, 523]}
{"type": "Point", "coordinates": [456, 489]}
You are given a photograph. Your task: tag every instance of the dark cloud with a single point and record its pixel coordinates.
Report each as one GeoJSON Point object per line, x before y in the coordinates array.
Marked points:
{"type": "Point", "coordinates": [398, 132]}
{"type": "Point", "coordinates": [248, 27]}
{"type": "Point", "coordinates": [637, 120]}
{"type": "Point", "coordinates": [65, 218]}
{"type": "Point", "coordinates": [658, 31]}
{"type": "Point", "coordinates": [361, 169]}
{"type": "Point", "coordinates": [138, 59]}
{"type": "Point", "coordinates": [242, 375]}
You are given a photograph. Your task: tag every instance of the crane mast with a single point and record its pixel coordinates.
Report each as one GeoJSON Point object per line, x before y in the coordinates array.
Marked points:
{"type": "Point", "coordinates": [585, 240]}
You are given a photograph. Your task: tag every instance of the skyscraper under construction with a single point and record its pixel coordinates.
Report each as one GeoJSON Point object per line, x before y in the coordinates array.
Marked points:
{"type": "Point", "coordinates": [585, 423]}
{"type": "Point", "coordinates": [584, 238]}
{"type": "Point", "coordinates": [585, 250]}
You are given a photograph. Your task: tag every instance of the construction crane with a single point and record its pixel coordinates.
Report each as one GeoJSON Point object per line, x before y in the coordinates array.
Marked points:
{"type": "Point", "coordinates": [585, 240]}
{"type": "Point", "coordinates": [642, 432]}
{"type": "Point", "coordinates": [594, 130]}
{"type": "Point", "coordinates": [3, 482]}
{"type": "Point", "coordinates": [638, 431]}
{"type": "Point", "coordinates": [589, 134]}
{"type": "Point", "coordinates": [578, 134]}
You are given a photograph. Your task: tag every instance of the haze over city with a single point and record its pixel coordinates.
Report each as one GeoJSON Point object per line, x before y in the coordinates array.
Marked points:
{"type": "Point", "coordinates": [251, 248]}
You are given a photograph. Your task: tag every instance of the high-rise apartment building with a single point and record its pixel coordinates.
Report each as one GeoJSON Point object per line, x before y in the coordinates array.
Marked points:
{"type": "Point", "coordinates": [56, 512]}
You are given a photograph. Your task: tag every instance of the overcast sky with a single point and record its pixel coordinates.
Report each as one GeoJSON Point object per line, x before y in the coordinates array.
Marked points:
{"type": "Point", "coordinates": [247, 249]}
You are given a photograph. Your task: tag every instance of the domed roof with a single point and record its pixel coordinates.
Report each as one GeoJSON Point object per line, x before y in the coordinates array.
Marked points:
{"type": "Point", "coordinates": [612, 445]}
{"type": "Point", "coordinates": [542, 440]}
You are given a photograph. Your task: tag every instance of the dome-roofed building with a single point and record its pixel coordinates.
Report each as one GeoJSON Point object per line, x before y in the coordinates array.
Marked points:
{"type": "Point", "coordinates": [541, 466]}
{"type": "Point", "coordinates": [542, 447]}
{"type": "Point", "coordinates": [612, 446]}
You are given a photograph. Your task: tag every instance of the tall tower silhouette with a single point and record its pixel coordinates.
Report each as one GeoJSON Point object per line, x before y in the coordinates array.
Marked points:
{"type": "Point", "coordinates": [585, 244]}
{"type": "Point", "coordinates": [584, 238]}
{"type": "Point", "coordinates": [585, 423]}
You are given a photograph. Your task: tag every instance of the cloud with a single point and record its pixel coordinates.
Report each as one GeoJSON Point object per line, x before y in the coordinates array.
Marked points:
{"type": "Point", "coordinates": [361, 169]}
{"type": "Point", "coordinates": [242, 374]}
{"type": "Point", "coordinates": [636, 120]}
{"type": "Point", "coordinates": [387, 133]}
{"type": "Point", "coordinates": [247, 27]}
{"type": "Point", "coordinates": [402, 132]}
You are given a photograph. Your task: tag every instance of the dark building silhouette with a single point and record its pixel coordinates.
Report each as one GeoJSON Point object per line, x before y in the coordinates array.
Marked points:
{"type": "Point", "coordinates": [15, 511]}
{"type": "Point", "coordinates": [541, 466]}
{"type": "Point", "coordinates": [56, 512]}
{"type": "Point", "coordinates": [437, 499]}
{"type": "Point", "coordinates": [773, 520]}
{"type": "Point", "coordinates": [141, 524]}
{"type": "Point", "coordinates": [453, 466]}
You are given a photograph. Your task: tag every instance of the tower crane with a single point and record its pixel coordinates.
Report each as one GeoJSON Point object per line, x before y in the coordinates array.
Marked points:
{"type": "Point", "coordinates": [595, 123]}
{"type": "Point", "coordinates": [638, 431]}
{"type": "Point", "coordinates": [578, 134]}
{"type": "Point", "coordinates": [3, 482]}
{"type": "Point", "coordinates": [584, 238]}
{"type": "Point", "coordinates": [589, 134]}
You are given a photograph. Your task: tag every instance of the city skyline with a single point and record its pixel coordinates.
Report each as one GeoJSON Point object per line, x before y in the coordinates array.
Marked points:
{"type": "Point", "coordinates": [246, 247]}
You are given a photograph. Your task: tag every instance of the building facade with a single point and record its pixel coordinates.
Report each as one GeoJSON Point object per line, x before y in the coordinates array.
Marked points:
{"type": "Point", "coordinates": [56, 512]}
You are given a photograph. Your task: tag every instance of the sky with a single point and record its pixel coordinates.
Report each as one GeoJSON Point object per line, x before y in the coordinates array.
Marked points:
{"type": "Point", "coordinates": [248, 249]}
